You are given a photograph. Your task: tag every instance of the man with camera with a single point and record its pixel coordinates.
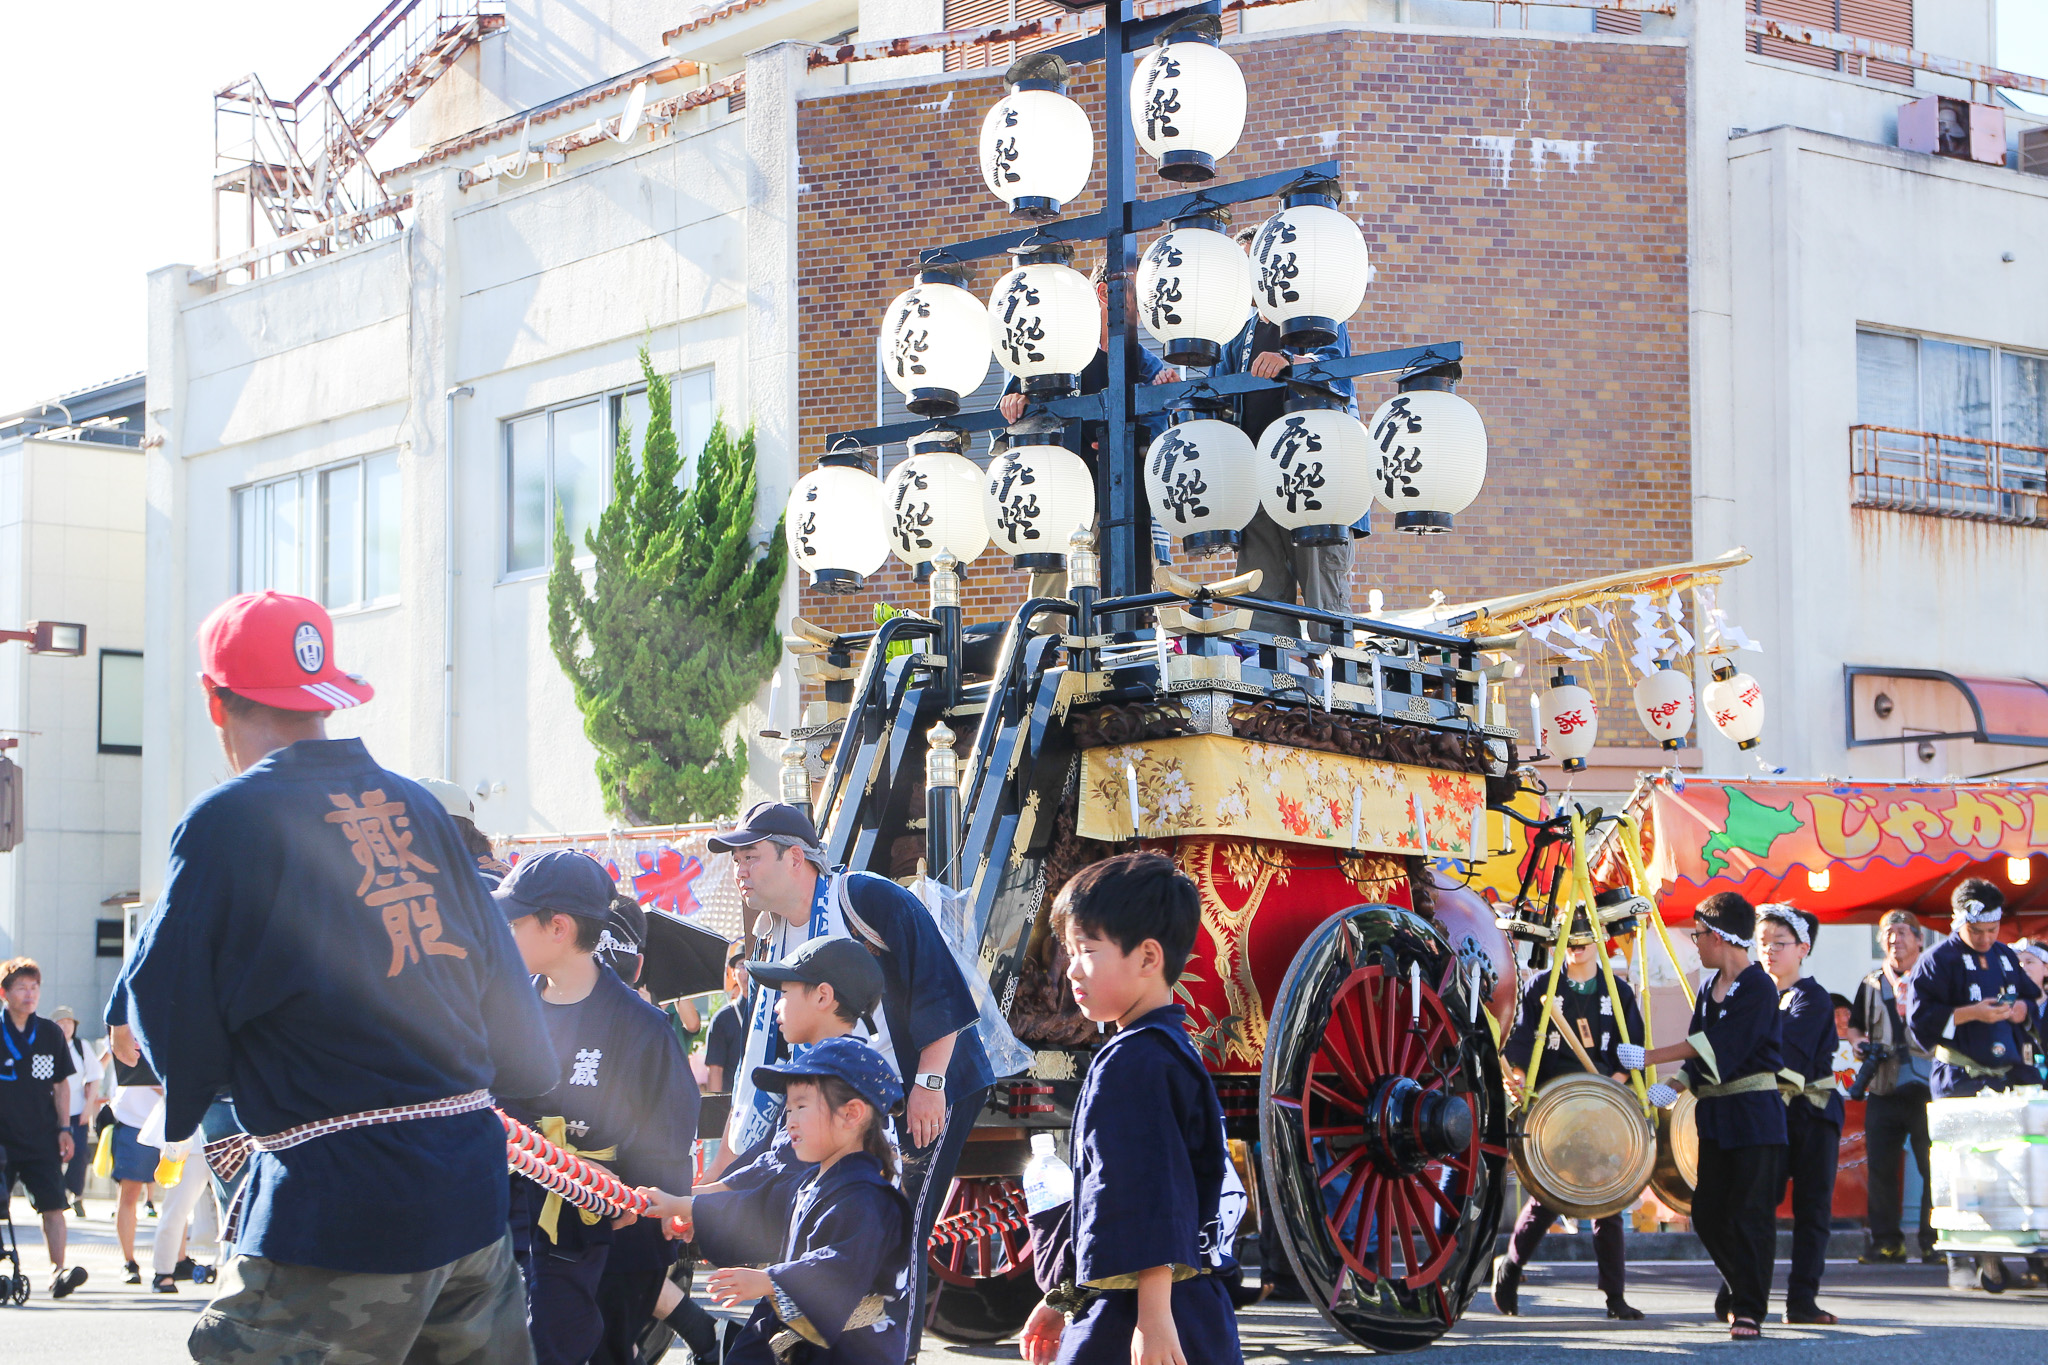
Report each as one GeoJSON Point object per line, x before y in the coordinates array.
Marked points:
{"type": "Point", "coordinates": [1970, 1003]}
{"type": "Point", "coordinates": [1892, 1081]}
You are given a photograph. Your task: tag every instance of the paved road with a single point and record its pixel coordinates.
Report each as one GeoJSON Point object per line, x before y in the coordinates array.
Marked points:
{"type": "Point", "coordinates": [1892, 1316]}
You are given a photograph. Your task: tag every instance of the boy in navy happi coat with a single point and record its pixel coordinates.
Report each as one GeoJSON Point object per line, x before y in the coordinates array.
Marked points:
{"type": "Point", "coordinates": [627, 1102]}
{"type": "Point", "coordinates": [1731, 1066]}
{"type": "Point", "coordinates": [1148, 1148]}
{"type": "Point", "coordinates": [1969, 1001]}
{"type": "Point", "coordinates": [1813, 1103]}
{"type": "Point", "coordinates": [839, 1291]}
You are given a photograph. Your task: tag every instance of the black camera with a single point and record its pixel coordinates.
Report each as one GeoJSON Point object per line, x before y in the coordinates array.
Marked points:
{"type": "Point", "coordinates": [1873, 1055]}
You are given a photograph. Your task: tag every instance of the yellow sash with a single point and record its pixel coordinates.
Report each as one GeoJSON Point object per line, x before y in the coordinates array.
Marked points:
{"type": "Point", "coordinates": [556, 1130]}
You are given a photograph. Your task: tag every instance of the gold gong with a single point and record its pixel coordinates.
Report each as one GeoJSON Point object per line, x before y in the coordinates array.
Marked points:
{"type": "Point", "coordinates": [1584, 1149]}
{"type": "Point", "coordinates": [1678, 1154]}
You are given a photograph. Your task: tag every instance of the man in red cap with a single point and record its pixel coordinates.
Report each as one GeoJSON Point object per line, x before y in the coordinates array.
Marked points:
{"type": "Point", "coordinates": [324, 955]}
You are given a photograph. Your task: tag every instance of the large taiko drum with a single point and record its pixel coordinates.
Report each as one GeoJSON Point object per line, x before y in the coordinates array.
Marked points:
{"type": "Point", "coordinates": [1678, 1154]}
{"type": "Point", "coordinates": [1584, 1148]}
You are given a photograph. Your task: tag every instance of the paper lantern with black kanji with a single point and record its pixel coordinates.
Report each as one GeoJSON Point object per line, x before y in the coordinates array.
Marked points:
{"type": "Point", "coordinates": [1037, 145]}
{"type": "Point", "coordinates": [1188, 105]}
{"type": "Point", "coordinates": [1202, 479]}
{"type": "Point", "coordinates": [1193, 288]}
{"type": "Point", "coordinates": [1034, 497]}
{"type": "Point", "coordinates": [1429, 450]}
{"type": "Point", "coordinates": [934, 343]}
{"type": "Point", "coordinates": [1314, 475]}
{"type": "Point", "coordinates": [934, 503]}
{"type": "Point", "coordinates": [1044, 321]}
{"type": "Point", "coordinates": [838, 528]}
{"type": "Point", "coordinates": [1310, 267]}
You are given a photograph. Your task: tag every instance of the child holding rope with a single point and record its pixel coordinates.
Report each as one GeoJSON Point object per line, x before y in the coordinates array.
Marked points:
{"type": "Point", "coordinates": [840, 1292]}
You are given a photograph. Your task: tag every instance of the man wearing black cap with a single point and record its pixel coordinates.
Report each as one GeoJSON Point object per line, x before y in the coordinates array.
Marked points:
{"type": "Point", "coordinates": [1731, 1061]}
{"type": "Point", "coordinates": [627, 1102]}
{"type": "Point", "coordinates": [926, 1025]}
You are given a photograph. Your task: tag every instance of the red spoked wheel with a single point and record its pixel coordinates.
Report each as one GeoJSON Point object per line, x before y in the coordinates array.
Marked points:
{"type": "Point", "coordinates": [1384, 1127]}
{"type": "Point", "coordinates": [980, 1261]}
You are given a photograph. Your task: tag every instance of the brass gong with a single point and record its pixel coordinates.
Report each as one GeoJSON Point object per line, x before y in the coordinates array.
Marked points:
{"type": "Point", "coordinates": [1678, 1154]}
{"type": "Point", "coordinates": [1584, 1148]}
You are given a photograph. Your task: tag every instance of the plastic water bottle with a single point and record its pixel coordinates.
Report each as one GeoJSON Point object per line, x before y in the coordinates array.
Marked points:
{"type": "Point", "coordinates": [1048, 1181]}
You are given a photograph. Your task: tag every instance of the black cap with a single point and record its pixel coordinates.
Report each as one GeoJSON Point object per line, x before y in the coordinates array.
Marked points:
{"type": "Point", "coordinates": [624, 938]}
{"type": "Point", "coordinates": [763, 820]}
{"type": "Point", "coordinates": [846, 966]}
{"type": "Point", "coordinates": [564, 881]}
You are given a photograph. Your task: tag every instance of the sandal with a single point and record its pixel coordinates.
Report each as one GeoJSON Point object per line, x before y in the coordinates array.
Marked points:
{"type": "Point", "coordinates": [1815, 1317]}
{"type": "Point", "coordinates": [164, 1284]}
{"type": "Point", "coordinates": [1744, 1329]}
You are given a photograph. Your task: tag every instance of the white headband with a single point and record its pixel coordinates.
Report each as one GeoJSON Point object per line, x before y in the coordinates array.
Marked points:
{"type": "Point", "coordinates": [1976, 912]}
{"type": "Point", "coordinates": [1790, 918]}
{"type": "Point", "coordinates": [1725, 936]}
{"type": "Point", "coordinates": [2039, 950]}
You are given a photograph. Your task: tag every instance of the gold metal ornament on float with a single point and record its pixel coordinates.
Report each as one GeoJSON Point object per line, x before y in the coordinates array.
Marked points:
{"type": "Point", "coordinates": [1678, 1154]}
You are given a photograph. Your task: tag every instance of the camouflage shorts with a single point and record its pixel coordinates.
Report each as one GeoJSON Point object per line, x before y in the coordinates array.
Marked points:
{"type": "Point", "coordinates": [270, 1313]}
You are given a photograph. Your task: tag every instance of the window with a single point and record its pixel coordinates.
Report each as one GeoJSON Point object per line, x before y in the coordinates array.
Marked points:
{"type": "Point", "coordinates": [1889, 21]}
{"type": "Point", "coordinates": [120, 701]}
{"type": "Point", "coordinates": [564, 455]}
{"type": "Point", "coordinates": [1951, 427]}
{"type": "Point", "coordinates": [330, 533]}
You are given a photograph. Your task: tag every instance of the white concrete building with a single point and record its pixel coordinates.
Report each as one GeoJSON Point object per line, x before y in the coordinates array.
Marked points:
{"type": "Point", "coordinates": [71, 501]}
{"type": "Point", "coordinates": [489, 350]}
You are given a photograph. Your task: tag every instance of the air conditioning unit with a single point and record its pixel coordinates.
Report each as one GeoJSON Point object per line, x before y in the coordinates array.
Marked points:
{"type": "Point", "coordinates": [1946, 126]}
{"type": "Point", "coordinates": [2034, 151]}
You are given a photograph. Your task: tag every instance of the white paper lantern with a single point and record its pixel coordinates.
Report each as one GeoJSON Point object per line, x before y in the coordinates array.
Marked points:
{"type": "Point", "coordinates": [934, 343]}
{"type": "Point", "coordinates": [1202, 477]}
{"type": "Point", "coordinates": [1034, 497]}
{"type": "Point", "coordinates": [1663, 698]}
{"type": "Point", "coordinates": [1044, 321]}
{"type": "Point", "coordinates": [934, 503]}
{"type": "Point", "coordinates": [1570, 720]}
{"type": "Point", "coordinates": [1193, 286]}
{"type": "Point", "coordinates": [1187, 104]}
{"type": "Point", "coordinates": [1429, 447]}
{"type": "Point", "coordinates": [1315, 477]}
{"type": "Point", "coordinates": [1036, 144]}
{"type": "Point", "coordinates": [1735, 704]}
{"type": "Point", "coordinates": [838, 528]}
{"type": "Point", "coordinates": [1311, 267]}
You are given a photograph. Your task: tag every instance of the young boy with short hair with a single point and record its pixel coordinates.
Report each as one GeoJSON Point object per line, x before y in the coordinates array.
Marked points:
{"type": "Point", "coordinates": [1148, 1149]}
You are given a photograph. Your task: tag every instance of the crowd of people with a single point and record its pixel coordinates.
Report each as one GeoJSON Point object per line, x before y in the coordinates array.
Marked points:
{"type": "Point", "coordinates": [341, 983]}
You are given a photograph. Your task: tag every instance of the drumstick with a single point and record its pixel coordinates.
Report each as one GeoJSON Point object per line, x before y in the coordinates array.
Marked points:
{"type": "Point", "coordinates": [1571, 1038]}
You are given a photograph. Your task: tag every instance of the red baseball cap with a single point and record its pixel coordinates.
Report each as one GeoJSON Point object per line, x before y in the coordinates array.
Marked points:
{"type": "Point", "coordinates": [278, 650]}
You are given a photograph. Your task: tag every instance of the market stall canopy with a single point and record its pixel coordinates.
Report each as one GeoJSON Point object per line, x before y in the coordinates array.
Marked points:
{"type": "Point", "coordinates": [1911, 705]}
{"type": "Point", "coordinates": [1843, 850]}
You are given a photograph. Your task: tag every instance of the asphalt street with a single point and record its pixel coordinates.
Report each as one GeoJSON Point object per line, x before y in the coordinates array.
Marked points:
{"type": "Point", "coordinates": [1900, 1315]}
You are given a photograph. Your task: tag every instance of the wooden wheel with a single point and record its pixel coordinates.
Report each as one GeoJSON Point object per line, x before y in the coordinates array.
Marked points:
{"type": "Point", "coordinates": [982, 1289]}
{"type": "Point", "coordinates": [1384, 1127]}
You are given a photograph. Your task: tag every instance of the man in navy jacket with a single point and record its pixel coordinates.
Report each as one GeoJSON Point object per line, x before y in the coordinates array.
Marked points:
{"type": "Point", "coordinates": [325, 953]}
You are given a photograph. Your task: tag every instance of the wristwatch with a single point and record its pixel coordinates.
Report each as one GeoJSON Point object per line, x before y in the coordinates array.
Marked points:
{"type": "Point", "coordinates": [932, 1080]}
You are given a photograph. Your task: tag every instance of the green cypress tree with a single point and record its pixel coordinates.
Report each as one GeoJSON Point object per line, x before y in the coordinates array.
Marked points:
{"type": "Point", "coordinates": [676, 629]}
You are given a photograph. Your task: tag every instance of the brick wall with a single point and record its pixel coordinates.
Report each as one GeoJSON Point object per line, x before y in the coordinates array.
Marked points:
{"type": "Point", "coordinates": [1564, 276]}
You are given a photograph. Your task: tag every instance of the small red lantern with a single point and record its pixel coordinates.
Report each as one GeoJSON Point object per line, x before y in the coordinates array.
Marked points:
{"type": "Point", "coordinates": [1571, 721]}
{"type": "Point", "coordinates": [1663, 698]}
{"type": "Point", "coordinates": [1735, 703]}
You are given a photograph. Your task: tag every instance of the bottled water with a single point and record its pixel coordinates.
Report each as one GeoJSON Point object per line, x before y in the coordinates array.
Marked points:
{"type": "Point", "coordinates": [1048, 1181]}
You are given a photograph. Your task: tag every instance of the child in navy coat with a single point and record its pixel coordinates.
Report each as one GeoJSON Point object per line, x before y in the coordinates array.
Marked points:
{"type": "Point", "coordinates": [1149, 1156]}
{"type": "Point", "coordinates": [840, 1292]}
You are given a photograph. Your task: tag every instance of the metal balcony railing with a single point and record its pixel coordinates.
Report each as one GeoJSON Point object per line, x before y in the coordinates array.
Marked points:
{"type": "Point", "coordinates": [1948, 476]}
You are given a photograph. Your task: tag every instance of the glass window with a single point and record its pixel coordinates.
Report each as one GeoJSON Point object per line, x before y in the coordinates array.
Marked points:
{"type": "Point", "coordinates": [629, 423]}
{"type": "Point", "coordinates": [696, 405]}
{"type": "Point", "coordinates": [2023, 399]}
{"type": "Point", "coordinates": [333, 529]}
{"type": "Point", "coordinates": [120, 701]}
{"type": "Point", "coordinates": [526, 501]}
{"type": "Point", "coordinates": [380, 527]}
{"type": "Point", "coordinates": [579, 470]}
{"type": "Point", "coordinates": [1955, 388]}
{"type": "Point", "coordinates": [1887, 380]}
{"type": "Point", "coordinates": [341, 521]}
